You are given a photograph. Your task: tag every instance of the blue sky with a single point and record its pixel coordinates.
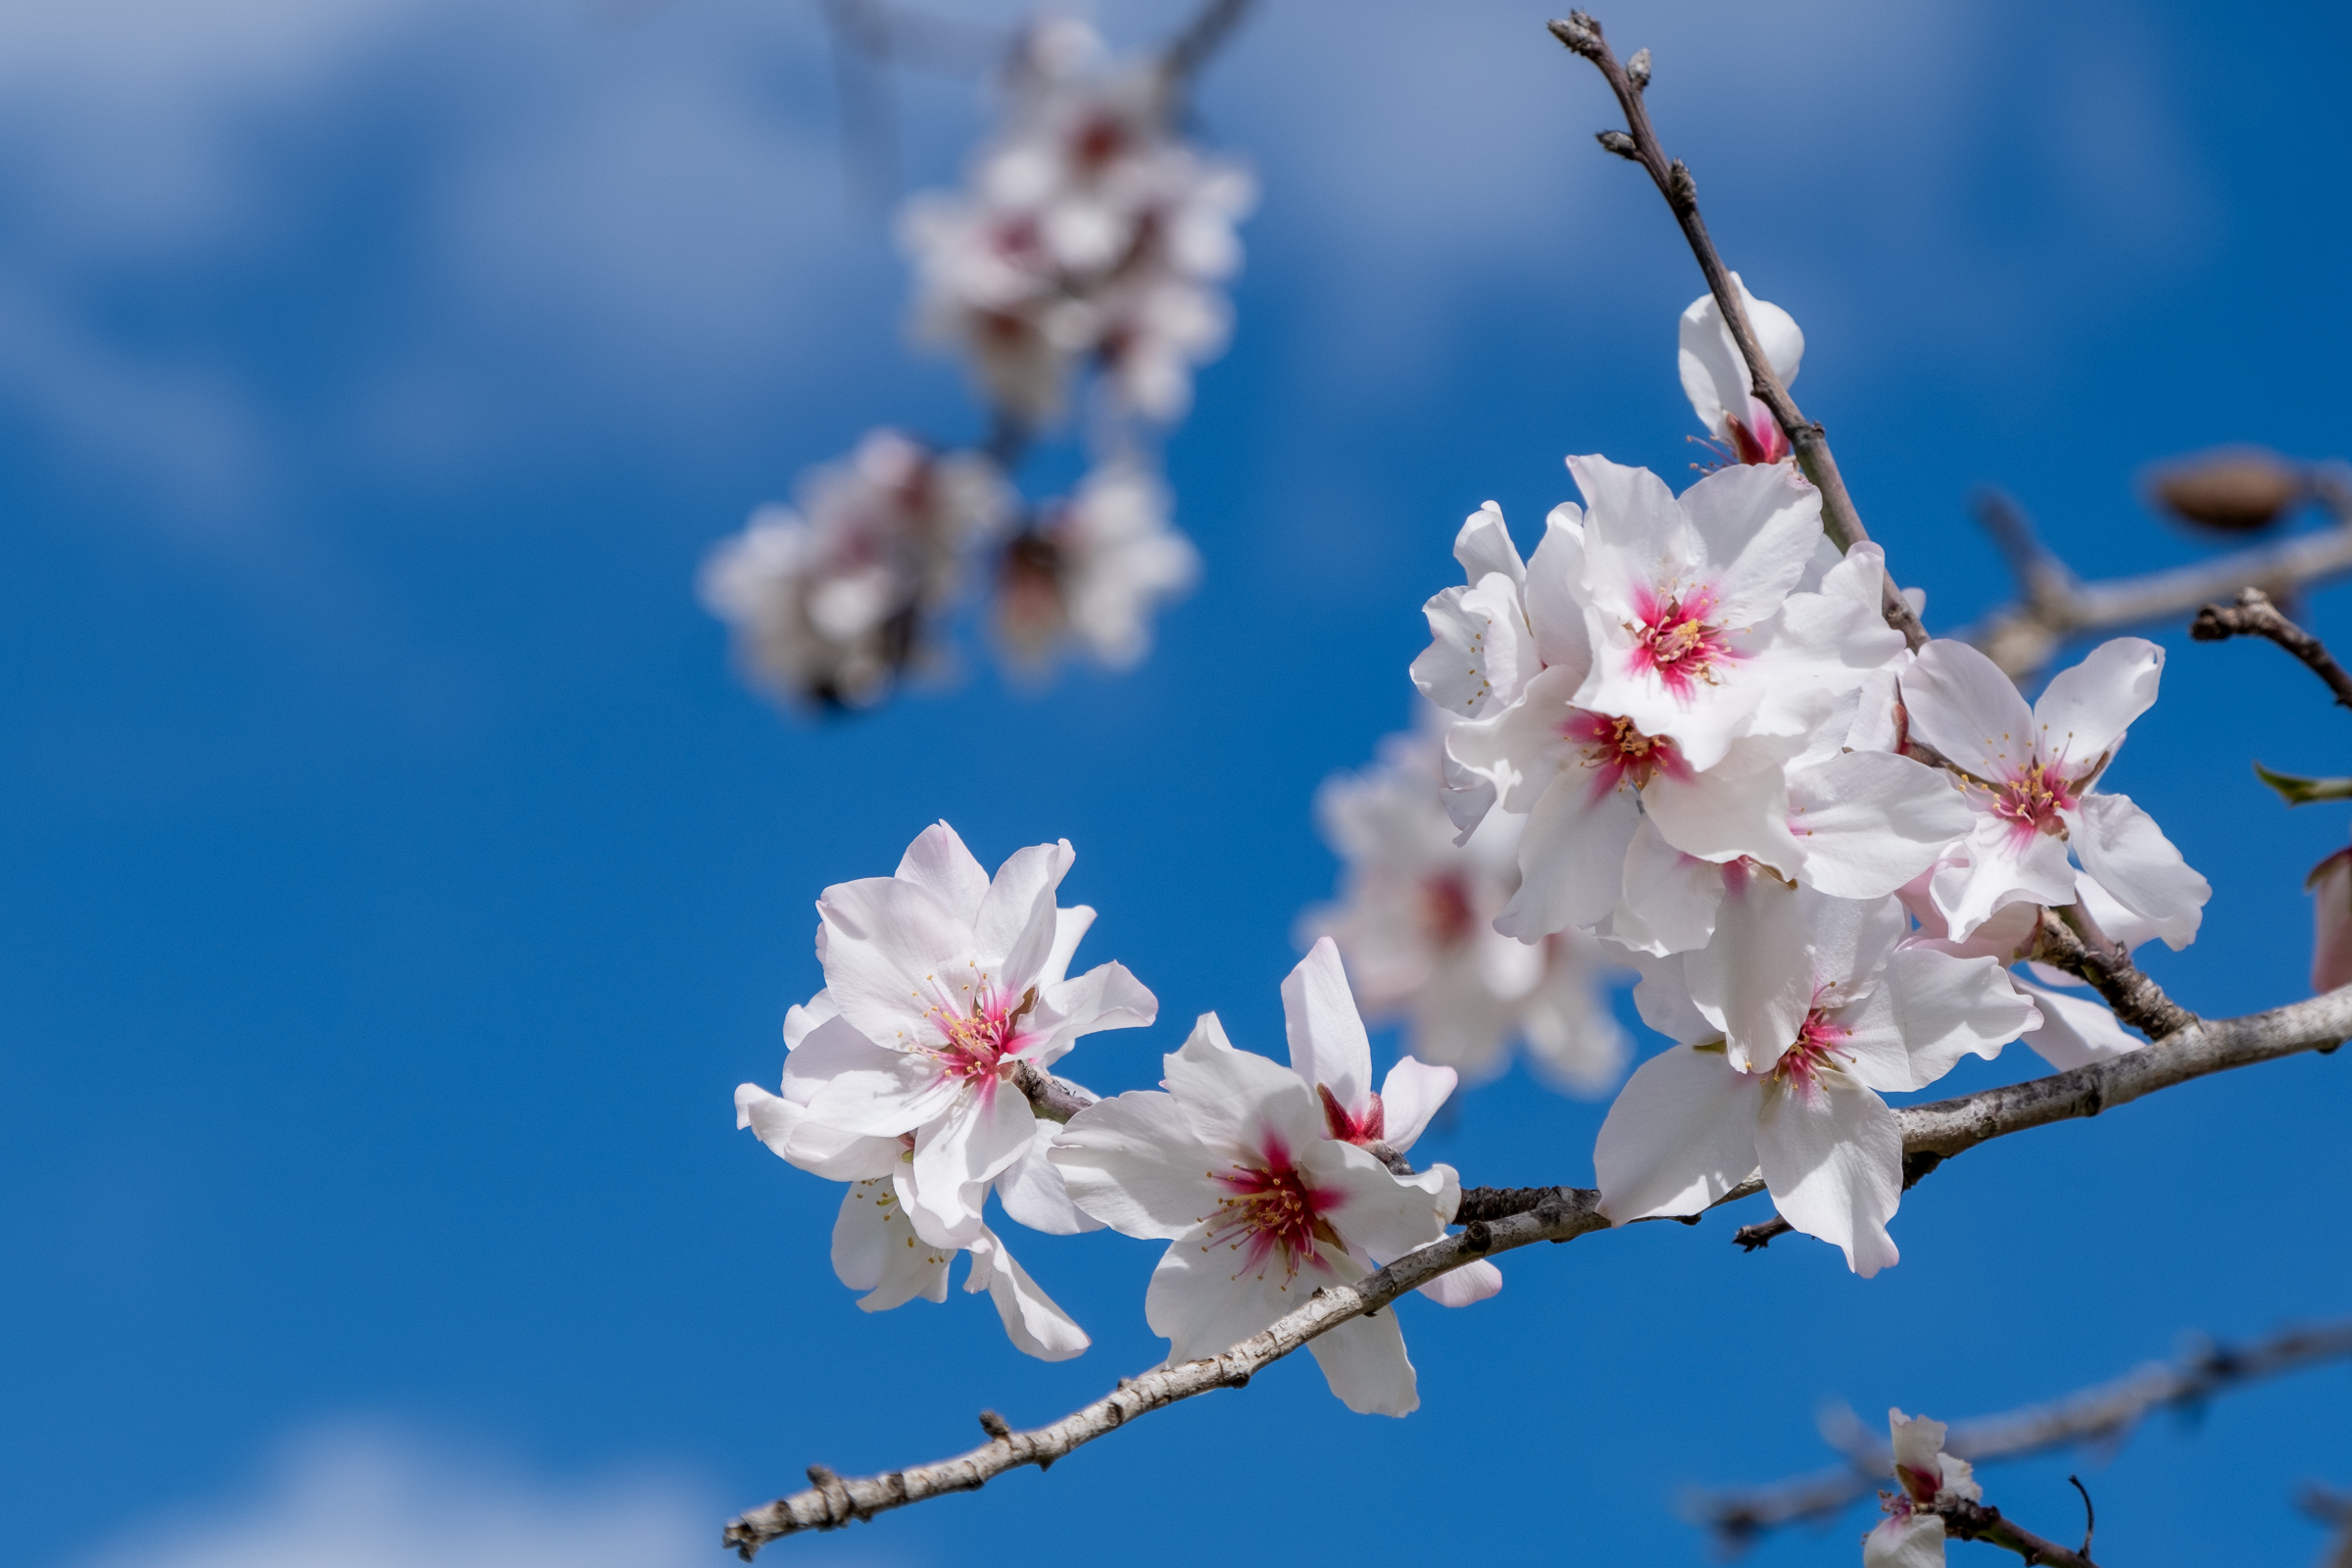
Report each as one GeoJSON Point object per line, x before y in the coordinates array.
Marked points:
{"type": "Point", "coordinates": [398, 882]}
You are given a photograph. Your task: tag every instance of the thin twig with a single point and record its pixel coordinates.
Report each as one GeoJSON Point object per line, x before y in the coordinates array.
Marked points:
{"type": "Point", "coordinates": [2254, 615]}
{"type": "Point", "coordinates": [2072, 940]}
{"type": "Point", "coordinates": [1943, 1129]}
{"type": "Point", "coordinates": [1964, 1520]}
{"type": "Point", "coordinates": [1055, 1099]}
{"type": "Point", "coordinates": [1811, 444]}
{"type": "Point", "coordinates": [2107, 1412]}
{"type": "Point", "coordinates": [2022, 638]}
{"type": "Point", "coordinates": [2334, 1509]}
{"type": "Point", "coordinates": [1202, 37]}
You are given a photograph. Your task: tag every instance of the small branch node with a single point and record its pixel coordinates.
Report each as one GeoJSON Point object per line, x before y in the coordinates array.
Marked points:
{"type": "Point", "coordinates": [2090, 1515]}
{"type": "Point", "coordinates": [1618, 142]}
{"type": "Point", "coordinates": [995, 1425]}
{"type": "Point", "coordinates": [1637, 69]}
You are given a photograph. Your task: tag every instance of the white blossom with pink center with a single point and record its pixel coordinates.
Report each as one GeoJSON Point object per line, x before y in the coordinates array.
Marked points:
{"type": "Point", "coordinates": [1852, 1013]}
{"type": "Point", "coordinates": [1333, 1056]}
{"type": "Point", "coordinates": [827, 602]}
{"type": "Point", "coordinates": [1415, 924]}
{"type": "Point", "coordinates": [1094, 570]}
{"type": "Point", "coordinates": [2029, 774]}
{"type": "Point", "coordinates": [1911, 1535]}
{"type": "Point", "coordinates": [1087, 228]}
{"type": "Point", "coordinates": [944, 983]}
{"type": "Point", "coordinates": [1234, 1166]}
{"type": "Point", "coordinates": [1482, 649]}
{"type": "Point", "coordinates": [1716, 378]}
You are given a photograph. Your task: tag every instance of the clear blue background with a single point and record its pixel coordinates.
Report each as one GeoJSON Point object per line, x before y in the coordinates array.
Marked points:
{"type": "Point", "coordinates": [396, 882]}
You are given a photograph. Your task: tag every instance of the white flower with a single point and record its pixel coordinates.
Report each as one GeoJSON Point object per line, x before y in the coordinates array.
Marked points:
{"type": "Point", "coordinates": [1716, 378]}
{"type": "Point", "coordinates": [1911, 1535]}
{"type": "Point", "coordinates": [1333, 1057]}
{"type": "Point", "coordinates": [1781, 1060]}
{"type": "Point", "coordinates": [2029, 774]}
{"type": "Point", "coordinates": [1482, 649]}
{"type": "Point", "coordinates": [1095, 570]}
{"type": "Point", "coordinates": [1232, 1166]}
{"type": "Point", "coordinates": [1415, 924]}
{"type": "Point", "coordinates": [946, 983]}
{"type": "Point", "coordinates": [827, 603]}
{"type": "Point", "coordinates": [2075, 1030]}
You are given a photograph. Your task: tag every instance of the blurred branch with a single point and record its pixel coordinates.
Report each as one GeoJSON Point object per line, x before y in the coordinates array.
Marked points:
{"type": "Point", "coordinates": [2053, 604]}
{"type": "Point", "coordinates": [2332, 1508]}
{"type": "Point", "coordinates": [1202, 37]}
{"type": "Point", "coordinates": [1498, 1223]}
{"type": "Point", "coordinates": [2254, 615]}
{"type": "Point", "coordinates": [2107, 1412]}
{"type": "Point", "coordinates": [1638, 142]}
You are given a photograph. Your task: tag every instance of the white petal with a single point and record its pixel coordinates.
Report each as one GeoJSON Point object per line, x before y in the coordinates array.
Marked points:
{"type": "Point", "coordinates": [1833, 1157]}
{"type": "Point", "coordinates": [800, 1020]}
{"type": "Point", "coordinates": [1134, 1163]}
{"type": "Point", "coordinates": [1932, 1009]}
{"type": "Point", "coordinates": [822, 1151]}
{"type": "Point", "coordinates": [2000, 865]}
{"type": "Point", "coordinates": [1070, 927]}
{"type": "Point", "coordinates": [1571, 858]}
{"type": "Point", "coordinates": [893, 951]}
{"type": "Point", "coordinates": [1554, 583]}
{"type": "Point", "coordinates": [1663, 997]}
{"type": "Point", "coordinates": [877, 1250]}
{"type": "Point", "coordinates": [1483, 545]}
{"type": "Point", "coordinates": [1870, 821]}
{"type": "Point", "coordinates": [2076, 1031]}
{"type": "Point", "coordinates": [1105, 996]}
{"type": "Point", "coordinates": [1908, 1541]}
{"type": "Point", "coordinates": [1466, 1286]}
{"type": "Point", "coordinates": [938, 863]}
{"type": "Point", "coordinates": [1240, 1106]}
{"type": "Point", "coordinates": [1754, 980]}
{"type": "Point", "coordinates": [1682, 1133]}
{"type": "Point", "coordinates": [1409, 1096]}
{"type": "Point", "coordinates": [1031, 1319]}
{"type": "Point", "coordinates": [1737, 806]}
{"type": "Point", "coordinates": [1034, 1193]}
{"type": "Point", "coordinates": [1014, 932]}
{"type": "Point", "coordinates": [852, 1085]}
{"type": "Point", "coordinates": [1209, 1296]}
{"type": "Point", "coordinates": [1758, 525]}
{"type": "Point", "coordinates": [1329, 1049]}
{"type": "Point", "coordinates": [2121, 846]}
{"type": "Point", "coordinates": [1363, 1360]}
{"type": "Point", "coordinates": [1671, 898]}
{"type": "Point", "coordinates": [2084, 711]}
{"type": "Point", "coordinates": [983, 1133]}
{"type": "Point", "coordinates": [1573, 1039]}
{"type": "Point", "coordinates": [1377, 1213]}
{"type": "Point", "coordinates": [1961, 704]}
{"type": "Point", "coordinates": [1481, 650]}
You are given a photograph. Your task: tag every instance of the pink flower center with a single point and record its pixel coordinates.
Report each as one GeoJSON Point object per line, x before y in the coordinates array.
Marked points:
{"type": "Point", "coordinates": [1271, 1211]}
{"type": "Point", "coordinates": [974, 1044]}
{"type": "Point", "coordinates": [1676, 640]}
{"type": "Point", "coordinates": [1348, 1128]}
{"type": "Point", "coordinates": [1757, 438]}
{"type": "Point", "coordinates": [1617, 752]}
{"type": "Point", "coordinates": [1922, 1485]}
{"type": "Point", "coordinates": [1445, 912]}
{"type": "Point", "coordinates": [2033, 798]}
{"type": "Point", "coordinates": [1816, 1043]}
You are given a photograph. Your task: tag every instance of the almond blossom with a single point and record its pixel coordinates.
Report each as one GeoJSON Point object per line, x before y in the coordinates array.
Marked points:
{"type": "Point", "coordinates": [828, 603]}
{"type": "Point", "coordinates": [947, 983]}
{"type": "Point", "coordinates": [1852, 1013]}
{"type": "Point", "coordinates": [1912, 1536]}
{"type": "Point", "coordinates": [2075, 1030]}
{"type": "Point", "coordinates": [1333, 1056]}
{"type": "Point", "coordinates": [1094, 570]}
{"type": "Point", "coordinates": [1087, 230]}
{"type": "Point", "coordinates": [2029, 774]}
{"type": "Point", "coordinates": [1716, 378]}
{"type": "Point", "coordinates": [1232, 1164]}
{"type": "Point", "coordinates": [1415, 924]}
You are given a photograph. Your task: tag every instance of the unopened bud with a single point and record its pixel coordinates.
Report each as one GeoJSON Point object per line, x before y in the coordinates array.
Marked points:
{"type": "Point", "coordinates": [1576, 33]}
{"type": "Point", "coordinates": [1638, 67]}
{"type": "Point", "coordinates": [1616, 141]}
{"type": "Point", "coordinates": [2230, 489]}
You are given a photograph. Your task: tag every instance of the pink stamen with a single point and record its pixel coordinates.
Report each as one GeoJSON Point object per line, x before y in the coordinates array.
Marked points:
{"type": "Point", "coordinates": [1274, 1210]}
{"type": "Point", "coordinates": [1677, 639]}
{"type": "Point", "coordinates": [2032, 800]}
{"type": "Point", "coordinates": [1618, 753]}
{"type": "Point", "coordinates": [975, 1044]}
{"type": "Point", "coordinates": [1817, 1042]}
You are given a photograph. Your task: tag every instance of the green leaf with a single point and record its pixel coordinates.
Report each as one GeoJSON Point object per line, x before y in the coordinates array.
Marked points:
{"type": "Point", "coordinates": [2302, 791]}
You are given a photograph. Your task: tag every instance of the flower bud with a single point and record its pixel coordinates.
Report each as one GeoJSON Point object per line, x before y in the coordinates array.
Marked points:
{"type": "Point", "coordinates": [2230, 489]}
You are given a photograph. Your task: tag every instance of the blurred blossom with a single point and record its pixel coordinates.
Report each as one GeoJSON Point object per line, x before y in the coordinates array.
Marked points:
{"type": "Point", "coordinates": [1415, 922]}
{"type": "Point", "coordinates": [829, 602]}
{"type": "Point", "coordinates": [1092, 572]}
{"type": "Point", "coordinates": [1087, 230]}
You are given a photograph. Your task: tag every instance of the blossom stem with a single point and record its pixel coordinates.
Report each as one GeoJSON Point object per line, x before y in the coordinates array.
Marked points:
{"type": "Point", "coordinates": [1964, 1520]}
{"type": "Point", "coordinates": [1053, 1099]}
{"type": "Point", "coordinates": [2105, 1414]}
{"type": "Point", "coordinates": [1943, 1128]}
{"type": "Point", "coordinates": [1810, 442]}
{"type": "Point", "coordinates": [2070, 939]}
{"type": "Point", "coordinates": [2254, 615]}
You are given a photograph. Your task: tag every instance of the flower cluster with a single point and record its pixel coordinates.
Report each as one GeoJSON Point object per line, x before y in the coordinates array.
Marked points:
{"type": "Point", "coordinates": [1090, 238]}
{"type": "Point", "coordinates": [948, 996]}
{"type": "Point", "coordinates": [1089, 234]}
{"type": "Point", "coordinates": [1737, 776]}
{"type": "Point", "coordinates": [1416, 923]}
{"type": "Point", "coordinates": [1911, 1535]}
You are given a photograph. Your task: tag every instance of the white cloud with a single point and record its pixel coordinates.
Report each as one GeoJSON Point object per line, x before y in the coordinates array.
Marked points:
{"type": "Point", "coordinates": [360, 1498]}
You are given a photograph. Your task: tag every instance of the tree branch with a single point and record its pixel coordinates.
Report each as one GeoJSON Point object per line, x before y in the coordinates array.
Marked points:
{"type": "Point", "coordinates": [2072, 940]}
{"type": "Point", "coordinates": [1811, 444]}
{"type": "Point", "coordinates": [2254, 615]}
{"type": "Point", "coordinates": [1942, 1129]}
{"type": "Point", "coordinates": [1974, 1521]}
{"type": "Point", "coordinates": [2105, 1412]}
{"type": "Point", "coordinates": [1202, 37]}
{"type": "Point", "coordinates": [1055, 1099]}
{"type": "Point", "coordinates": [2053, 606]}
